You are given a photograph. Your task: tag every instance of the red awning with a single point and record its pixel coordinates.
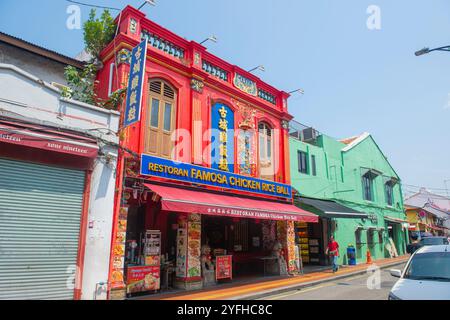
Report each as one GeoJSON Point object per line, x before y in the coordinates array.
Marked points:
{"type": "Point", "coordinates": [42, 138]}
{"type": "Point", "coordinates": [182, 200]}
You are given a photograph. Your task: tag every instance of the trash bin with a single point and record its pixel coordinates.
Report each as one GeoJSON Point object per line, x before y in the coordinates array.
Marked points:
{"type": "Point", "coordinates": [351, 254]}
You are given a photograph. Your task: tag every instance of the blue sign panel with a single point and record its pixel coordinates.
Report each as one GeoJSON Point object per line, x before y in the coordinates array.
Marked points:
{"type": "Point", "coordinates": [163, 168]}
{"type": "Point", "coordinates": [135, 84]}
{"type": "Point", "coordinates": [222, 139]}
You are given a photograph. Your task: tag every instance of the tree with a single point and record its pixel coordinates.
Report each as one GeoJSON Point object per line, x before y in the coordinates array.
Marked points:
{"type": "Point", "coordinates": [98, 33]}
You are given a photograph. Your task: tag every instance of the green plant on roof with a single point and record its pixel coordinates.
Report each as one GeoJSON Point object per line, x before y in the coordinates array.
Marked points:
{"type": "Point", "coordinates": [98, 33]}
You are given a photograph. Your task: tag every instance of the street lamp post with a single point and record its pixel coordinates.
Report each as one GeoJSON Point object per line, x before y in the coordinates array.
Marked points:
{"type": "Point", "coordinates": [428, 50]}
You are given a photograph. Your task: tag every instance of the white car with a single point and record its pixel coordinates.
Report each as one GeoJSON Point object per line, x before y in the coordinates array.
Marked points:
{"type": "Point", "coordinates": [425, 277]}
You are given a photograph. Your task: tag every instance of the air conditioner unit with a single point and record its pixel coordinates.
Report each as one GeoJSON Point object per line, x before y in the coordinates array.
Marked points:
{"type": "Point", "coordinates": [309, 134]}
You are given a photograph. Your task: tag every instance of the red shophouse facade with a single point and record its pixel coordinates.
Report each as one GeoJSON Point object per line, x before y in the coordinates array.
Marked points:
{"type": "Point", "coordinates": [185, 90]}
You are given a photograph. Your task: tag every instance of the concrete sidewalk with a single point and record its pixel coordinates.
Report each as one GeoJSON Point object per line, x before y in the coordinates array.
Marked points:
{"type": "Point", "coordinates": [256, 290]}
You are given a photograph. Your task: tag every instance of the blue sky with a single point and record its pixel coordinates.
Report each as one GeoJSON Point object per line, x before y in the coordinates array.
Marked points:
{"type": "Point", "coordinates": [355, 79]}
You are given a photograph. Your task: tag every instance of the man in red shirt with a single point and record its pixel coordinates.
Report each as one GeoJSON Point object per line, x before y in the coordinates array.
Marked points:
{"type": "Point", "coordinates": [333, 251]}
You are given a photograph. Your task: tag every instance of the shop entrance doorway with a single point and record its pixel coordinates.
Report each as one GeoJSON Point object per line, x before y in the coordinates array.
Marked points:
{"type": "Point", "coordinates": [243, 239]}
{"type": "Point", "coordinates": [312, 239]}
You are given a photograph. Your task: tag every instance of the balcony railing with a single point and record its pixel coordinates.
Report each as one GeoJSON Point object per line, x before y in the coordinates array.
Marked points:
{"type": "Point", "coordinates": [302, 132]}
{"type": "Point", "coordinates": [214, 70]}
{"type": "Point", "coordinates": [163, 45]}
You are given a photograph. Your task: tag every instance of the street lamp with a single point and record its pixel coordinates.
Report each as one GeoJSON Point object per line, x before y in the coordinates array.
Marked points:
{"type": "Point", "coordinates": [211, 38]}
{"type": "Point", "coordinates": [150, 2]}
{"type": "Point", "coordinates": [258, 68]}
{"type": "Point", "coordinates": [428, 50]}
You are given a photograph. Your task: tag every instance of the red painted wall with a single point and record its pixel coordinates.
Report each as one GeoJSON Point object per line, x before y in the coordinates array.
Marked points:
{"type": "Point", "coordinates": [179, 73]}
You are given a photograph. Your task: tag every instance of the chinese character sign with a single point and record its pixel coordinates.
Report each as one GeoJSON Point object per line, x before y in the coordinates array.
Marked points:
{"type": "Point", "coordinates": [222, 154]}
{"type": "Point", "coordinates": [135, 84]}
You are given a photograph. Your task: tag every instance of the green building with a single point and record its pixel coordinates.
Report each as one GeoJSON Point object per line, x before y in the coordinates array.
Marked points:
{"type": "Point", "coordinates": [351, 185]}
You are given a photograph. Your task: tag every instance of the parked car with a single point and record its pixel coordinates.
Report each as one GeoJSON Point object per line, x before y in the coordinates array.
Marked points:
{"type": "Point", "coordinates": [428, 241]}
{"type": "Point", "coordinates": [425, 277]}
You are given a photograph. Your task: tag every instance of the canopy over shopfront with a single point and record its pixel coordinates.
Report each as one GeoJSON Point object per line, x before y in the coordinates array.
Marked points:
{"type": "Point", "coordinates": [189, 201]}
{"type": "Point", "coordinates": [332, 209]}
{"type": "Point", "coordinates": [395, 220]}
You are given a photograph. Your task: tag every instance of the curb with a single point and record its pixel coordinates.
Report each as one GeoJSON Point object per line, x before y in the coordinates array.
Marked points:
{"type": "Point", "coordinates": [309, 284]}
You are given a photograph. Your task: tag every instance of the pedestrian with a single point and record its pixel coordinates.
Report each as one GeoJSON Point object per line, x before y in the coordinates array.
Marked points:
{"type": "Point", "coordinates": [333, 251]}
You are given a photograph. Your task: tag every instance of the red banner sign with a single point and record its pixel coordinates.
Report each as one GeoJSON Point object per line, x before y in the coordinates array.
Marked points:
{"type": "Point", "coordinates": [142, 279]}
{"type": "Point", "coordinates": [224, 267]}
{"type": "Point", "coordinates": [47, 142]}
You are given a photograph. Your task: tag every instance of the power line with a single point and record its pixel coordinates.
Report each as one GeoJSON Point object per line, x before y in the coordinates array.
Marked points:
{"type": "Point", "coordinates": [92, 5]}
{"type": "Point", "coordinates": [420, 187]}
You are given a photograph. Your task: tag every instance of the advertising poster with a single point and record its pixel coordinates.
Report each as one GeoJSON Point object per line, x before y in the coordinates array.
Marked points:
{"type": "Point", "coordinates": [182, 240]}
{"type": "Point", "coordinates": [194, 246]}
{"type": "Point", "coordinates": [118, 254]}
{"type": "Point", "coordinates": [224, 269]}
{"type": "Point", "coordinates": [291, 246]}
{"type": "Point", "coordinates": [142, 279]}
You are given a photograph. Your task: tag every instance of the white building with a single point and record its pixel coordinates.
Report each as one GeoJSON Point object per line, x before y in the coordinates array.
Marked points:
{"type": "Point", "coordinates": [57, 184]}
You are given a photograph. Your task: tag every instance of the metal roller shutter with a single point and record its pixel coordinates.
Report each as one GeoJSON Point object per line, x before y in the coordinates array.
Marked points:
{"type": "Point", "coordinates": [40, 213]}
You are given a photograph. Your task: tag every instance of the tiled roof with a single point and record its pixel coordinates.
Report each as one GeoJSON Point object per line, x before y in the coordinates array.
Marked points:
{"type": "Point", "coordinates": [53, 55]}
{"type": "Point", "coordinates": [349, 140]}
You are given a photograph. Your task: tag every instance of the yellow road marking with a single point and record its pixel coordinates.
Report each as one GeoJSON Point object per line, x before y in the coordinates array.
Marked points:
{"type": "Point", "coordinates": [234, 292]}
{"type": "Point", "coordinates": [280, 296]}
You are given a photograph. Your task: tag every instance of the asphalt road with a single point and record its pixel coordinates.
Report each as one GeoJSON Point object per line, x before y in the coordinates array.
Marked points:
{"type": "Point", "coordinates": [354, 288]}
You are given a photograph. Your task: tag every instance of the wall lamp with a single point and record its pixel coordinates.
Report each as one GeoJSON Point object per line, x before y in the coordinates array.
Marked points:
{"type": "Point", "coordinates": [301, 91]}
{"type": "Point", "coordinates": [211, 38]}
{"type": "Point", "coordinates": [258, 68]}
{"type": "Point", "coordinates": [428, 50]}
{"type": "Point", "coordinates": [150, 2]}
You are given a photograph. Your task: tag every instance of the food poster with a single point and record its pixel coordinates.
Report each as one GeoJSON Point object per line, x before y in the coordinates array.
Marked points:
{"type": "Point", "coordinates": [118, 254]}
{"type": "Point", "coordinates": [182, 240]}
{"type": "Point", "coordinates": [292, 267]}
{"type": "Point", "coordinates": [224, 267]}
{"type": "Point", "coordinates": [286, 235]}
{"type": "Point", "coordinates": [142, 279]}
{"type": "Point", "coordinates": [154, 261]}
{"type": "Point", "coordinates": [194, 246]}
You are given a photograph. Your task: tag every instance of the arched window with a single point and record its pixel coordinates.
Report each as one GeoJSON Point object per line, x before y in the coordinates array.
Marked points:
{"type": "Point", "coordinates": [161, 112]}
{"type": "Point", "coordinates": [266, 165]}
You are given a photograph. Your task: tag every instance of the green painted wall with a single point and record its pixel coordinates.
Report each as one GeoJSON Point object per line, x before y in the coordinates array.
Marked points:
{"type": "Point", "coordinates": [339, 178]}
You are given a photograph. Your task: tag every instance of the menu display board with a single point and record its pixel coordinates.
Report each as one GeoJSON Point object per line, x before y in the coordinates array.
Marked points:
{"type": "Point", "coordinates": [152, 243]}
{"type": "Point", "coordinates": [143, 278]}
{"type": "Point", "coordinates": [224, 267]}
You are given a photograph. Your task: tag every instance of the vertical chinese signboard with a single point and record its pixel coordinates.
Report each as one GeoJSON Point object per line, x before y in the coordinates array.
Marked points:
{"type": "Point", "coordinates": [135, 84]}
{"type": "Point", "coordinates": [222, 155]}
